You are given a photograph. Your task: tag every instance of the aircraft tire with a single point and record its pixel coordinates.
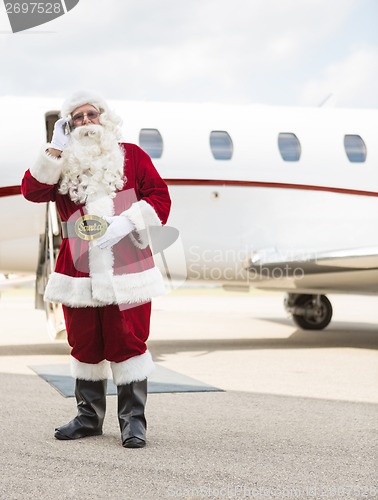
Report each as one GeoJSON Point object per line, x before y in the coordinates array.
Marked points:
{"type": "Point", "coordinates": [314, 318]}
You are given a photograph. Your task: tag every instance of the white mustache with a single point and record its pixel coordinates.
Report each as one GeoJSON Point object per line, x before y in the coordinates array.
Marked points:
{"type": "Point", "coordinates": [91, 131]}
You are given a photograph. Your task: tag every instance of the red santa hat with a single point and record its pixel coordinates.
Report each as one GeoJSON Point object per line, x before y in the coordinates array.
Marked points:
{"type": "Point", "coordinates": [80, 98]}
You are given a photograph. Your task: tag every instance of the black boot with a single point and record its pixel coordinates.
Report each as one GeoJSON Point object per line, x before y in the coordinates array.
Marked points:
{"type": "Point", "coordinates": [91, 404]}
{"type": "Point", "coordinates": [132, 422]}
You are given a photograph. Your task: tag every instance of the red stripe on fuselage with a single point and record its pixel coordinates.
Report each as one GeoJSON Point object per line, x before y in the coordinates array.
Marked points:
{"type": "Point", "coordinates": [15, 190]}
{"type": "Point", "coordinates": [273, 185]}
{"type": "Point", "coordinates": [9, 191]}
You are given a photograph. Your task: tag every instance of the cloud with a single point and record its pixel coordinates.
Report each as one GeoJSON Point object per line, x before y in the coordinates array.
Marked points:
{"type": "Point", "coordinates": [352, 81]}
{"type": "Point", "coordinates": [197, 50]}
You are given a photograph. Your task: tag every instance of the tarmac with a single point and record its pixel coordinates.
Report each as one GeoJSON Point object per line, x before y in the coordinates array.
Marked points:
{"type": "Point", "coordinates": [296, 415]}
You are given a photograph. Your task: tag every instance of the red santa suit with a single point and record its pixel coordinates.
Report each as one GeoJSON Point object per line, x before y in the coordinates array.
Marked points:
{"type": "Point", "coordinates": [106, 293]}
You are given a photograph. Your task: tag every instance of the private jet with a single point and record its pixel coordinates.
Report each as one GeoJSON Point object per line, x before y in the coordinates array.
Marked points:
{"type": "Point", "coordinates": [276, 198]}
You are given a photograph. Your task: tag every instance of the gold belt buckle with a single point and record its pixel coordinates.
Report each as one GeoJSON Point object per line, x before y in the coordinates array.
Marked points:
{"type": "Point", "coordinates": [90, 227]}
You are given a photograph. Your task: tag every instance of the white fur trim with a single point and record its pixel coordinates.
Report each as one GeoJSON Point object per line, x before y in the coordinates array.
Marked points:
{"type": "Point", "coordinates": [133, 369]}
{"type": "Point", "coordinates": [81, 97]}
{"type": "Point", "coordinates": [142, 215]}
{"type": "Point", "coordinates": [138, 287]}
{"type": "Point", "coordinates": [130, 288]}
{"type": "Point", "coordinates": [88, 371]}
{"type": "Point", "coordinates": [72, 292]}
{"type": "Point", "coordinates": [101, 262]}
{"type": "Point", "coordinates": [47, 169]}
{"type": "Point", "coordinates": [123, 289]}
{"type": "Point", "coordinates": [101, 271]}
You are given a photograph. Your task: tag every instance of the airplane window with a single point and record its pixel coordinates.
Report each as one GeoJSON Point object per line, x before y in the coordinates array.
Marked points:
{"type": "Point", "coordinates": [151, 141]}
{"type": "Point", "coordinates": [289, 146]}
{"type": "Point", "coordinates": [355, 148]}
{"type": "Point", "coordinates": [221, 145]}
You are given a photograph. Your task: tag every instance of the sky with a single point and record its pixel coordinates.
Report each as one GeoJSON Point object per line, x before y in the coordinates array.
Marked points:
{"type": "Point", "coordinates": [278, 52]}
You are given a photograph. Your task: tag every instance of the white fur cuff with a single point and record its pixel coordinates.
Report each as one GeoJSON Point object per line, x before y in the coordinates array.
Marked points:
{"type": "Point", "coordinates": [142, 215]}
{"type": "Point", "coordinates": [47, 169]}
{"type": "Point", "coordinates": [133, 369]}
{"type": "Point", "coordinates": [87, 371]}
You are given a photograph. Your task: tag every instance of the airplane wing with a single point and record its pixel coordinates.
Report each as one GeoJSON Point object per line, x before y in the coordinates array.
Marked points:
{"type": "Point", "coordinates": [340, 271]}
{"type": "Point", "coordinates": [360, 258]}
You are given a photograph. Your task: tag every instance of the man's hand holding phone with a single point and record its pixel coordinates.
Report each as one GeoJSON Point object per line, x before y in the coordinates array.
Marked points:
{"type": "Point", "coordinates": [60, 135]}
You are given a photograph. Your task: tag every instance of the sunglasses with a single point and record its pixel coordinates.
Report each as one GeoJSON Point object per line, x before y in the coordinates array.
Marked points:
{"type": "Point", "coordinates": [91, 115]}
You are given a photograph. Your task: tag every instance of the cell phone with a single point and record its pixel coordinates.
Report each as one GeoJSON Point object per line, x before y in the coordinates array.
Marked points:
{"type": "Point", "coordinates": [68, 127]}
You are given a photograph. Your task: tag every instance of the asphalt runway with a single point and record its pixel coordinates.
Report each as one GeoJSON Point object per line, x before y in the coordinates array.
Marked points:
{"type": "Point", "coordinates": [296, 417]}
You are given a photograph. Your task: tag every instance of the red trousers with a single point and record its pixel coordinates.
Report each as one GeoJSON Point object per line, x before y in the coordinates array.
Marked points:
{"type": "Point", "coordinates": [98, 333]}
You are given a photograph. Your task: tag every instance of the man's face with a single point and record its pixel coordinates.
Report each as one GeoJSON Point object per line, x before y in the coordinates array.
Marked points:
{"type": "Point", "coordinates": [84, 115]}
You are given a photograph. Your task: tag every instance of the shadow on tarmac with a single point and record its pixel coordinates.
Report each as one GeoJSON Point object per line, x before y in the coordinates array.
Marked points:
{"type": "Point", "coordinates": [339, 335]}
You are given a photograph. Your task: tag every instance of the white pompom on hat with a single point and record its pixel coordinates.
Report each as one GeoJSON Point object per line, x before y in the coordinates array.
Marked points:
{"type": "Point", "coordinates": [80, 98]}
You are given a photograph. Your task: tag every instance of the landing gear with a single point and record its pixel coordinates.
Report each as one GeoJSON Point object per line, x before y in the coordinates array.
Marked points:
{"type": "Point", "coordinates": [309, 312]}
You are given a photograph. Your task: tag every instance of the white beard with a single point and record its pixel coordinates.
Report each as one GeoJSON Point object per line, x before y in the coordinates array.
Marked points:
{"type": "Point", "coordinates": [93, 164]}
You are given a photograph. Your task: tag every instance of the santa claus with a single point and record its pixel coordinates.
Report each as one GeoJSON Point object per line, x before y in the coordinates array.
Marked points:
{"type": "Point", "coordinates": [107, 195]}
